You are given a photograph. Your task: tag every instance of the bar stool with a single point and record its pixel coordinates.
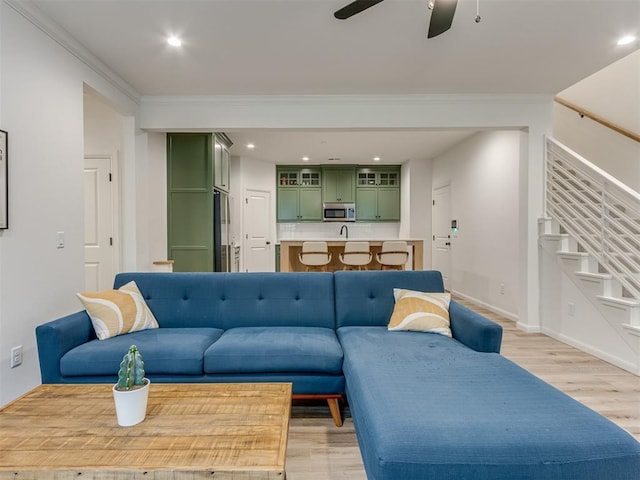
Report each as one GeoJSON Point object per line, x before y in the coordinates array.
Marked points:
{"type": "Point", "coordinates": [393, 255]}
{"type": "Point", "coordinates": [315, 256]}
{"type": "Point", "coordinates": [356, 255]}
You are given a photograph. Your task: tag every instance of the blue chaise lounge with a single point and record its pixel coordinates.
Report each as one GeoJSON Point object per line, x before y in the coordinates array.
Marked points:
{"type": "Point", "coordinates": [428, 407]}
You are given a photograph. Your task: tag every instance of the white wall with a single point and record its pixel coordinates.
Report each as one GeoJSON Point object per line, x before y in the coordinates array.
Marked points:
{"type": "Point", "coordinates": [483, 174]}
{"type": "Point", "coordinates": [41, 106]}
{"type": "Point", "coordinates": [416, 204]}
{"type": "Point", "coordinates": [613, 94]}
{"type": "Point", "coordinates": [156, 212]}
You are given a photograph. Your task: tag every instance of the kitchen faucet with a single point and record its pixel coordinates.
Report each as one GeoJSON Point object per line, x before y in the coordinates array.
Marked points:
{"type": "Point", "coordinates": [344, 227]}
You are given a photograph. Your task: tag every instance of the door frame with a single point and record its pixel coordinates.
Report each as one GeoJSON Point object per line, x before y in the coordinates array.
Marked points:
{"type": "Point", "coordinates": [446, 187]}
{"type": "Point", "coordinates": [113, 158]}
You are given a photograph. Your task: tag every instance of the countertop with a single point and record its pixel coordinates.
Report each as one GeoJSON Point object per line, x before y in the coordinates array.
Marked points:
{"type": "Point", "coordinates": [289, 250]}
{"type": "Point", "coordinates": [342, 239]}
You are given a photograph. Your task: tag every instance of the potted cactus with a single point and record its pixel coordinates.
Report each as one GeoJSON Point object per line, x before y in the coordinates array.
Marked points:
{"type": "Point", "coordinates": [132, 390]}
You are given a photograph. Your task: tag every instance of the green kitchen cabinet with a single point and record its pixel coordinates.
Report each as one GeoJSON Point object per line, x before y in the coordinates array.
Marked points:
{"type": "Point", "coordinates": [378, 176]}
{"type": "Point", "coordinates": [310, 201]}
{"type": "Point", "coordinates": [377, 204]}
{"type": "Point", "coordinates": [338, 185]}
{"type": "Point", "coordinates": [388, 204]}
{"type": "Point", "coordinates": [189, 201]}
{"type": "Point", "coordinates": [299, 205]}
{"type": "Point", "coordinates": [367, 204]}
{"type": "Point", "coordinates": [288, 205]}
{"type": "Point", "coordinates": [277, 257]}
{"type": "Point", "coordinates": [299, 194]}
{"type": "Point", "coordinates": [378, 194]}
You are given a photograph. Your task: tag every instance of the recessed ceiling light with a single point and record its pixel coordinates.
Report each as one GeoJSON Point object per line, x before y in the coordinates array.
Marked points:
{"type": "Point", "coordinates": [376, 159]}
{"type": "Point", "coordinates": [305, 159]}
{"type": "Point", "coordinates": [250, 146]}
{"type": "Point", "coordinates": [174, 41]}
{"type": "Point", "coordinates": [626, 40]}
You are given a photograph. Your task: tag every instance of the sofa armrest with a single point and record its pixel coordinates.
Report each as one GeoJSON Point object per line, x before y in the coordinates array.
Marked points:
{"type": "Point", "coordinates": [475, 331]}
{"type": "Point", "coordinates": [56, 338]}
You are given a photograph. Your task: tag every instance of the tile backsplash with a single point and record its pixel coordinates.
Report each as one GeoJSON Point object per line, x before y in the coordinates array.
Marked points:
{"type": "Point", "coordinates": [331, 230]}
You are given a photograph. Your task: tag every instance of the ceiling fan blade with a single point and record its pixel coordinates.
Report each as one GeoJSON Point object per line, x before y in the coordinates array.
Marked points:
{"type": "Point", "coordinates": [441, 16]}
{"type": "Point", "coordinates": [354, 7]}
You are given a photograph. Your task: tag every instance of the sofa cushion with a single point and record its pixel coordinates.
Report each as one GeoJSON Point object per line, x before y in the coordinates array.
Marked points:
{"type": "Point", "coordinates": [420, 312]}
{"type": "Point", "coordinates": [367, 299]}
{"type": "Point", "coordinates": [164, 350]}
{"type": "Point", "coordinates": [275, 349]}
{"type": "Point", "coordinates": [426, 407]}
{"type": "Point", "coordinates": [229, 300]}
{"type": "Point", "coordinates": [116, 312]}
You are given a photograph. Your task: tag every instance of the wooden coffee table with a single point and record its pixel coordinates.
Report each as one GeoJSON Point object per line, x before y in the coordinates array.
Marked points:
{"type": "Point", "coordinates": [192, 431]}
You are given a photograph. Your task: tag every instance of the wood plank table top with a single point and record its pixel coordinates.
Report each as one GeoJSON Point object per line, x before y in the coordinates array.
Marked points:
{"type": "Point", "coordinates": [192, 431]}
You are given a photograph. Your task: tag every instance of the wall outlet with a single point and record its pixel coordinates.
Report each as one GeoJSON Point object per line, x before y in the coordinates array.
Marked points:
{"type": "Point", "coordinates": [572, 309]}
{"type": "Point", "coordinates": [16, 356]}
{"type": "Point", "coordinates": [60, 239]}
{"type": "Point", "coordinates": [502, 289]}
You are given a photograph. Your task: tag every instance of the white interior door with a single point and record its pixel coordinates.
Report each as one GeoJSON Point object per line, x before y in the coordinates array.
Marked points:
{"type": "Point", "coordinates": [98, 223]}
{"type": "Point", "coordinates": [441, 227]}
{"type": "Point", "coordinates": [259, 254]}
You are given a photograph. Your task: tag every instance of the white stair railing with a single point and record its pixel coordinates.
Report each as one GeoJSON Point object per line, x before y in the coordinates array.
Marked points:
{"type": "Point", "coordinates": [598, 210]}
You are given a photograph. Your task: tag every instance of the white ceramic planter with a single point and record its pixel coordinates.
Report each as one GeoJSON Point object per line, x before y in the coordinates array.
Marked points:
{"type": "Point", "coordinates": [131, 405]}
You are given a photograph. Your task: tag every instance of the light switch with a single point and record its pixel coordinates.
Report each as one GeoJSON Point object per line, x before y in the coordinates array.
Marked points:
{"type": "Point", "coordinates": [60, 239]}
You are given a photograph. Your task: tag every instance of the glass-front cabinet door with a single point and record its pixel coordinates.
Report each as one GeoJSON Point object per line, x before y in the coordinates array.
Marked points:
{"type": "Point", "coordinates": [309, 178]}
{"type": "Point", "coordinates": [366, 178]}
{"type": "Point", "coordinates": [288, 178]}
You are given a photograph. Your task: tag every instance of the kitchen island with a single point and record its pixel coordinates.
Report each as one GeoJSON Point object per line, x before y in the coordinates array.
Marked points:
{"type": "Point", "coordinates": [289, 250]}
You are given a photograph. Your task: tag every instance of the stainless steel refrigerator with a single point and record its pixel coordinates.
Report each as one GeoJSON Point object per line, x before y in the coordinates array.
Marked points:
{"type": "Point", "coordinates": [222, 250]}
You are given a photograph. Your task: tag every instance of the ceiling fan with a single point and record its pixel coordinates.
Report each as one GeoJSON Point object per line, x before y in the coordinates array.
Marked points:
{"type": "Point", "coordinates": [441, 15]}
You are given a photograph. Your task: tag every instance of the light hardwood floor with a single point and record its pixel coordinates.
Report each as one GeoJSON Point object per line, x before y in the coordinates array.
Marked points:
{"type": "Point", "coordinates": [320, 451]}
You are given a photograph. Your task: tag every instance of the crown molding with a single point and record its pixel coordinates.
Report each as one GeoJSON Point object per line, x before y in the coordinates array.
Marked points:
{"type": "Point", "coordinates": [356, 99]}
{"type": "Point", "coordinates": [40, 20]}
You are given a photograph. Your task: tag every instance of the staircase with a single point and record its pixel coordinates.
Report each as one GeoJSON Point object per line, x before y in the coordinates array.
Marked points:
{"type": "Point", "coordinates": [592, 226]}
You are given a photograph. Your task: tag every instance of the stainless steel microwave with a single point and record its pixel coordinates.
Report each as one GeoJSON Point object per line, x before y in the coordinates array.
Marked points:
{"type": "Point", "coordinates": [338, 212]}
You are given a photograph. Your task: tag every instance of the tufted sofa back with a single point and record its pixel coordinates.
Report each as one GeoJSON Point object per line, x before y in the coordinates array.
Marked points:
{"type": "Point", "coordinates": [227, 300]}
{"type": "Point", "coordinates": [366, 298]}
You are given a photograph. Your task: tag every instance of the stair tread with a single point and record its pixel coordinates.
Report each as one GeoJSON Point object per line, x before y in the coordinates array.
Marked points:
{"type": "Point", "coordinates": [603, 276]}
{"type": "Point", "coordinates": [553, 236]}
{"type": "Point", "coordinates": [633, 329]}
{"type": "Point", "coordinates": [629, 302]}
{"type": "Point", "coordinates": [572, 254]}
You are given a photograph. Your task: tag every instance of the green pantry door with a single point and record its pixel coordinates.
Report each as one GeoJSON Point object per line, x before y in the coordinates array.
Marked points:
{"type": "Point", "coordinates": [189, 201]}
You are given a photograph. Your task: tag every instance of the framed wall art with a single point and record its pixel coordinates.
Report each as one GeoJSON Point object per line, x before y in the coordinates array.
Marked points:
{"type": "Point", "coordinates": [4, 180]}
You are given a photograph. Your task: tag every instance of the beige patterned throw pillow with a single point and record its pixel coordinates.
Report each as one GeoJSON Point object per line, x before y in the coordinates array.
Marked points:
{"type": "Point", "coordinates": [421, 312]}
{"type": "Point", "coordinates": [116, 312]}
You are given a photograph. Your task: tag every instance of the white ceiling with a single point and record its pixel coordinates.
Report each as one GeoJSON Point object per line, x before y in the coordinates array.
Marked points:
{"type": "Point", "coordinates": [351, 147]}
{"type": "Point", "coordinates": [264, 47]}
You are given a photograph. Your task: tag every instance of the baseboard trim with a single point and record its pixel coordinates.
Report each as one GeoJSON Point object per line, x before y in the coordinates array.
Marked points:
{"type": "Point", "coordinates": [528, 328]}
{"type": "Point", "coordinates": [596, 352]}
{"type": "Point", "coordinates": [508, 315]}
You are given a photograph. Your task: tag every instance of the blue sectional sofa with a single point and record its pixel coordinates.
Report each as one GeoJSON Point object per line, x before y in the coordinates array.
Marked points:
{"type": "Point", "coordinates": [424, 406]}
